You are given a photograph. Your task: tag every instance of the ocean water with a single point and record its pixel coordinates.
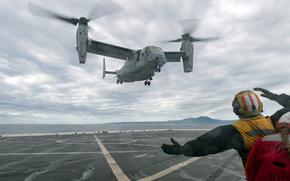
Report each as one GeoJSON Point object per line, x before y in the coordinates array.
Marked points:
{"type": "Point", "coordinates": [63, 128]}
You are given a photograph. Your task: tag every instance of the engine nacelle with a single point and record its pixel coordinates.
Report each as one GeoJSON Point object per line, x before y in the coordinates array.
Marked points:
{"type": "Point", "coordinates": [187, 47]}
{"type": "Point", "coordinates": [82, 38]}
{"type": "Point", "coordinates": [82, 55]}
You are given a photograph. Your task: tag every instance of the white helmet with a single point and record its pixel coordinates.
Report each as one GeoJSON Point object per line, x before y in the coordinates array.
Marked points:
{"type": "Point", "coordinates": [284, 121]}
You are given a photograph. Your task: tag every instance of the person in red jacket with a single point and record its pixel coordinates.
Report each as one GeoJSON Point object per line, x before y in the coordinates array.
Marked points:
{"type": "Point", "coordinates": [269, 159]}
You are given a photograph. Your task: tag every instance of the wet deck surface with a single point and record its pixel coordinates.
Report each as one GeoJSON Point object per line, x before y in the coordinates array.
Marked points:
{"type": "Point", "coordinates": [123, 156]}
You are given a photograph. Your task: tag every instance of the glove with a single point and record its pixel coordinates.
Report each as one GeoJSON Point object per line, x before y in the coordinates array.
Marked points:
{"type": "Point", "coordinates": [282, 99]}
{"type": "Point", "coordinates": [267, 93]}
{"type": "Point", "coordinates": [174, 149]}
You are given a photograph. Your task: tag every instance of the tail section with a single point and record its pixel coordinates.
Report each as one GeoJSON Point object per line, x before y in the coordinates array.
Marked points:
{"type": "Point", "coordinates": [187, 47]}
{"type": "Point", "coordinates": [104, 69]}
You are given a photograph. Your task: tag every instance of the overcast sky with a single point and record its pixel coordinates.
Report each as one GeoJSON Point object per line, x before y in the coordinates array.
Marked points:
{"type": "Point", "coordinates": [41, 80]}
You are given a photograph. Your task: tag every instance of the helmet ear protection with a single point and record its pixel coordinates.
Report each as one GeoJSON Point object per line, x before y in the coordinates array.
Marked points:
{"type": "Point", "coordinates": [236, 107]}
{"type": "Point", "coordinates": [247, 104]}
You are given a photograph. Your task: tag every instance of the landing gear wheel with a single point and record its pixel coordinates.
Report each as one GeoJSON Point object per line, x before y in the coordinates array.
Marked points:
{"type": "Point", "coordinates": [150, 78]}
{"type": "Point", "coordinates": [147, 83]}
{"type": "Point", "coordinates": [158, 69]}
{"type": "Point", "coordinates": [119, 81]}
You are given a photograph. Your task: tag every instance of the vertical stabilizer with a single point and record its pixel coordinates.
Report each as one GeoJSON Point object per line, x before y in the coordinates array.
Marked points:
{"type": "Point", "coordinates": [104, 69]}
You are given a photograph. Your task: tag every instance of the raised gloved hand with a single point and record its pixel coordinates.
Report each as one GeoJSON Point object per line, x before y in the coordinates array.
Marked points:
{"type": "Point", "coordinates": [282, 99]}
{"type": "Point", "coordinates": [267, 93]}
{"type": "Point", "coordinates": [174, 149]}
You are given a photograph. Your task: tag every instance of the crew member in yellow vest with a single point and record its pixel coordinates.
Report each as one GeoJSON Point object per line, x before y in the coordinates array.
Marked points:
{"type": "Point", "coordinates": [252, 125]}
{"type": "Point", "coordinates": [240, 136]}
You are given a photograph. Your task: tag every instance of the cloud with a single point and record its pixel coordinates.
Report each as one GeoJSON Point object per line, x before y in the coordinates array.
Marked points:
{"type": "Point", "coordinates": [41, 80]}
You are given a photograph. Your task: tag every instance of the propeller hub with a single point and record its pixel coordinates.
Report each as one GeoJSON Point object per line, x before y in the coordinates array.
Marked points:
{"type": "Point", "coordinates": [186, 37]}
{"type": "Point", "coordinates": [83, 21]}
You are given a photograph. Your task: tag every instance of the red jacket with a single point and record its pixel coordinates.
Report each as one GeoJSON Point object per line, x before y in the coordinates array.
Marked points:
{"type": "Point", "coordinates": [268, 161]}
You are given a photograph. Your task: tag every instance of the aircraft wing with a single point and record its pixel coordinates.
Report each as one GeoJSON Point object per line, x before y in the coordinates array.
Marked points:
{"type": "Point", "coordinates": [109, 50]}
{"type": "Point", "coordinates": [174, 56]}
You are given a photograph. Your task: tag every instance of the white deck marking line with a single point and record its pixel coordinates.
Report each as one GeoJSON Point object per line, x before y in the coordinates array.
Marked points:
{"type": "Point", "coordinates": [87, 132]}
{"type": "Point", "coordinates": [169, 170]}
{"type": "Point", "coordinates": [46, 153]}
{"type": "Point", "coordinates": [72, 153]}
{"type": "Point", "coordinates": [118, 172]}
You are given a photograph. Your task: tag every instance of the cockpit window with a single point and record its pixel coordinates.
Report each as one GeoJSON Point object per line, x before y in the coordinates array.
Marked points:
{"type": "Point", "coordinates": [147, 50]}
{"type": "Point", "coordinates": [159, 49]}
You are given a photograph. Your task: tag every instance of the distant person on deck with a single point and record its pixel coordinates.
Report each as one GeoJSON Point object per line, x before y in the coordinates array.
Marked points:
{"type": "Point", "coordinates": [269, 159]}
{"type": "Point", "coordinates": [240, 136]}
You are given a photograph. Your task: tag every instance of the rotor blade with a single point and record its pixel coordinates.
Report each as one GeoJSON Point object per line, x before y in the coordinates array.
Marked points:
{"type": "Point", "coordinates": [104, 8]}
{"type": "Point", "coordinates": [204, 39]}
{"type": "Point", "coordinates": [172, 41]}
{"type": "Point", "coordinates": [40, 11]}
{"type": "Point", "coordinates": [92, 32]}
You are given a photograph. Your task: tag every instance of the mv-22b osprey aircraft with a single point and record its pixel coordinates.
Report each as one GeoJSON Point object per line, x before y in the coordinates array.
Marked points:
{"type": "Point", "coordinates": [140, 65]}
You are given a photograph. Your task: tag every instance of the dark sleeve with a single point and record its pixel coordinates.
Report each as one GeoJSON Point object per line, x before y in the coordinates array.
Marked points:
{"type": "Point", "coordinates": [283, 100]}
{"type": "Point", "coordinates": [217, 140]}
{"type": "Point", "coordinates": [276, 116]}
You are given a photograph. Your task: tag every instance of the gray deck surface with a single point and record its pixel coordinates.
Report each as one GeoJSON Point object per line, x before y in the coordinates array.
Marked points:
{"type": "Point", "coordinates": [138, 155]}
